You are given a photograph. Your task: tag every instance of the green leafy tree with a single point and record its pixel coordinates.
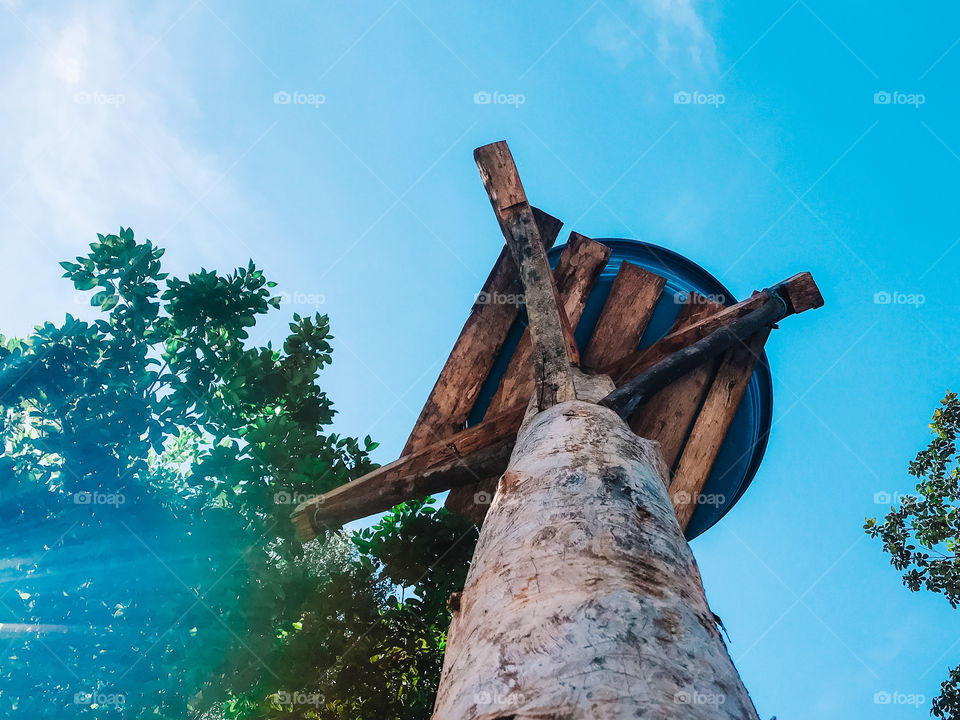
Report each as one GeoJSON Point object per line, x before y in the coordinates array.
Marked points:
{"type": "Point", "coordinates": [151, 459]}
{"type": "Point", "coordinates": [922, 535]}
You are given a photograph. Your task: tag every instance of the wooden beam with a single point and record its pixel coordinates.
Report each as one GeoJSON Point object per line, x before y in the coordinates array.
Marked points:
{"type": "Point", "coordinates": [554, 350]}
{"type": "Point", "coordinates": [666, 417]}
{"type": "Point", "coordinates": [474, 453]}
{"type": "Point", "coordinates": [713, 422]}
{"type": "Point", "coordinates": [626, 398]}
{"type": "Point", "coordinates": [578, 268]}
{"type": "Point", "coordinates": [800, 293]}
{"type": "Point", "coordinates": [473, 355]}
{"type": "Point", "coordinates": [629, 307]}
{"type": "Point", "coordinates": [576, 273]}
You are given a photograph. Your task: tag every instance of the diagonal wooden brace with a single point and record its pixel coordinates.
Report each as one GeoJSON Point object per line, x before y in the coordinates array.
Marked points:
{"type": "Point", "coordinates": [554, 349]}
{"type": "Point", "coordinates": [625, 399]}
{"type": "Point", "coordinates": [476, 349]}
{"type": "Point", "coordinates": [470, 455]}
{"type": "Point", "coordinates": [482, 451]}
{"type": "Point", "coordinates": [800, 292]}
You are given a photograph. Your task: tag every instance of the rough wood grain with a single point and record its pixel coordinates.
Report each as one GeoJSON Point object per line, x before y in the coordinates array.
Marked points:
{"type": "Point", "coordinates": [554, 349]}
{"type": "Point", "coordinates": [710, 429]}
{"type": "Point", "coordinates": [624, 317]}
{"type": "Point", "coordinates": [583, 600]}
{"type": "Point", "coordinates": [800, 292]}
{"type": "Point", "coordinates": [471, 454]}
{"type": "Point", "coordinates": [666, 417]}
{"type": "Point", "coordinates": [578, 268]}
{"type": "Point", "coordinates": [455, 392]}
{"type": "Point", "coordinates": [626, 398]}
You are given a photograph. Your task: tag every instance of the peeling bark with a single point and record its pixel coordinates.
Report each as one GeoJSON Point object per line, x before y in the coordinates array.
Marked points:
{"type": "Point", "coordinates": [583, 599]}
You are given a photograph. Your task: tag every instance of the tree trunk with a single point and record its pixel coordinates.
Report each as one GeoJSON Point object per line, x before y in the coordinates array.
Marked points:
{"type": "Point", "coordinates": [583, 600]}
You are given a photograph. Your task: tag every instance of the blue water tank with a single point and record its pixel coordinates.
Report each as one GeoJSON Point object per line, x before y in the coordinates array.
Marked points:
{"type": "Point", "coordinates": [746, 440]}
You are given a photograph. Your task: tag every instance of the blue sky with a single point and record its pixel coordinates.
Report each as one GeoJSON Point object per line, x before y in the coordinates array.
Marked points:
{"type": "Point", "coordinates": [360, 197]}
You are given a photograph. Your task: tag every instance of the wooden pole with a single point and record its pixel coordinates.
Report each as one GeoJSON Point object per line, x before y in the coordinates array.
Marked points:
{"type": "Point", "coordinates": [583, 600]}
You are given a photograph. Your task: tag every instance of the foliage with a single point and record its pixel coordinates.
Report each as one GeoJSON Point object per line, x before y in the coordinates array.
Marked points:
{"type": "Point", "coordinates": [922, 535]}
{"type": "Point", "coordinates": [151, 459]}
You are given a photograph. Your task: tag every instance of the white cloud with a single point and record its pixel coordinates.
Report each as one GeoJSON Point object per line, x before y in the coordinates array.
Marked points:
{"type": "Point", "coordinates": [96, 134]}
{"type": "Point", "coordinates": [669, 33]}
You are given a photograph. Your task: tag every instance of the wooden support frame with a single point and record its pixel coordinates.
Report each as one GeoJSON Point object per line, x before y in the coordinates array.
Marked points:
{"type": "Point", "coordinates": [668, 415]}
{"type": "Point", "coordinates": [712, 423]}
{"type": "Point", "coordinates": [457, 461]}
{"type": "Point", "coordinates": [800, 292]}
{"type": "Point", "coordinates": [624, 400]}
{"type": "Point", "coordinates": [476, 349]}
{"type": "Point", "coordinates": [578, 268]}
{"type": "Point", "coordinates": [471, 454]}
{"type": "Point", "coordinates": [625, 316]}
{"type": "Point", "coordinates": [441, 455]}
{"type": "Point", "coordinates": [576, 273]}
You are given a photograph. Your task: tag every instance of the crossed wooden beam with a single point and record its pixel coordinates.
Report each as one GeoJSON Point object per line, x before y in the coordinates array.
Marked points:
{"type": "Point", "coordinates": [682, 391]}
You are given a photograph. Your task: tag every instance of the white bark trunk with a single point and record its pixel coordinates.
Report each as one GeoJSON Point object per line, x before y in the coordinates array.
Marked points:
{"type": "Point", "coordinates": [583, 600]}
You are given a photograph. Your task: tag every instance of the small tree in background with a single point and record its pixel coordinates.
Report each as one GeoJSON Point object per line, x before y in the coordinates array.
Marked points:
{"type": "Point", "coordinates": [922, 536]}
{"type": "Point", "coordinates": [150, 462]}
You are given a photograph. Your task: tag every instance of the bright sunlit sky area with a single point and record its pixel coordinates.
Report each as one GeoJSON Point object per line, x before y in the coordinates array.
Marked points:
{"type": "Point", "coordinates": [332, 144]}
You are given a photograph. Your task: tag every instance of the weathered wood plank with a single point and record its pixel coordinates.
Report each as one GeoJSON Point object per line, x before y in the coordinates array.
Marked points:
{"type": "Point", "coordinates": [710, 429]}
{"type": "Point", "coordinates": [554, 350]}
{"type": "Point", "coordinates": [576, 273]}
{"type": "Point", "coordinates": [800, 292]}
{"type": "Point", "coordinates": [626, 398]}
{"type": "Point", "coordinates": [455, 392]}
{"type": "Point", "coordinates": [578, 268]}
{"type": "Point", "coordinates": [624, 317]}
{"type": "Point", "coordinates": [666, 417]}
{"type": "Point", "coordinates": [474, 453]}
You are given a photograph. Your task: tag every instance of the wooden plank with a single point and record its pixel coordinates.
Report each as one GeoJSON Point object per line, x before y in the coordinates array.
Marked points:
{"type": "Point", "coordinates": [710, 429]}
{"type": "Point", "coordinates": [472, 501]}
{"type": "Point", "coordinates": [800, 292]}
{"type": "Point", "coordinates": [554, 350]}
{"type": "Point", "coordinates": [578, 268]}
{"type": "Point", "coordinates": [576, 273]}
{"type": "Point", "coordinates": [452, 398]}
{"type": "Point", "coordinates": [626, 398]}
{"type": "Point", "coordinates": [624, 317]}
{"type": "Point", "coordinates": [474, 453]}
{"type": "Point", "coordinates": [666, 417]}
